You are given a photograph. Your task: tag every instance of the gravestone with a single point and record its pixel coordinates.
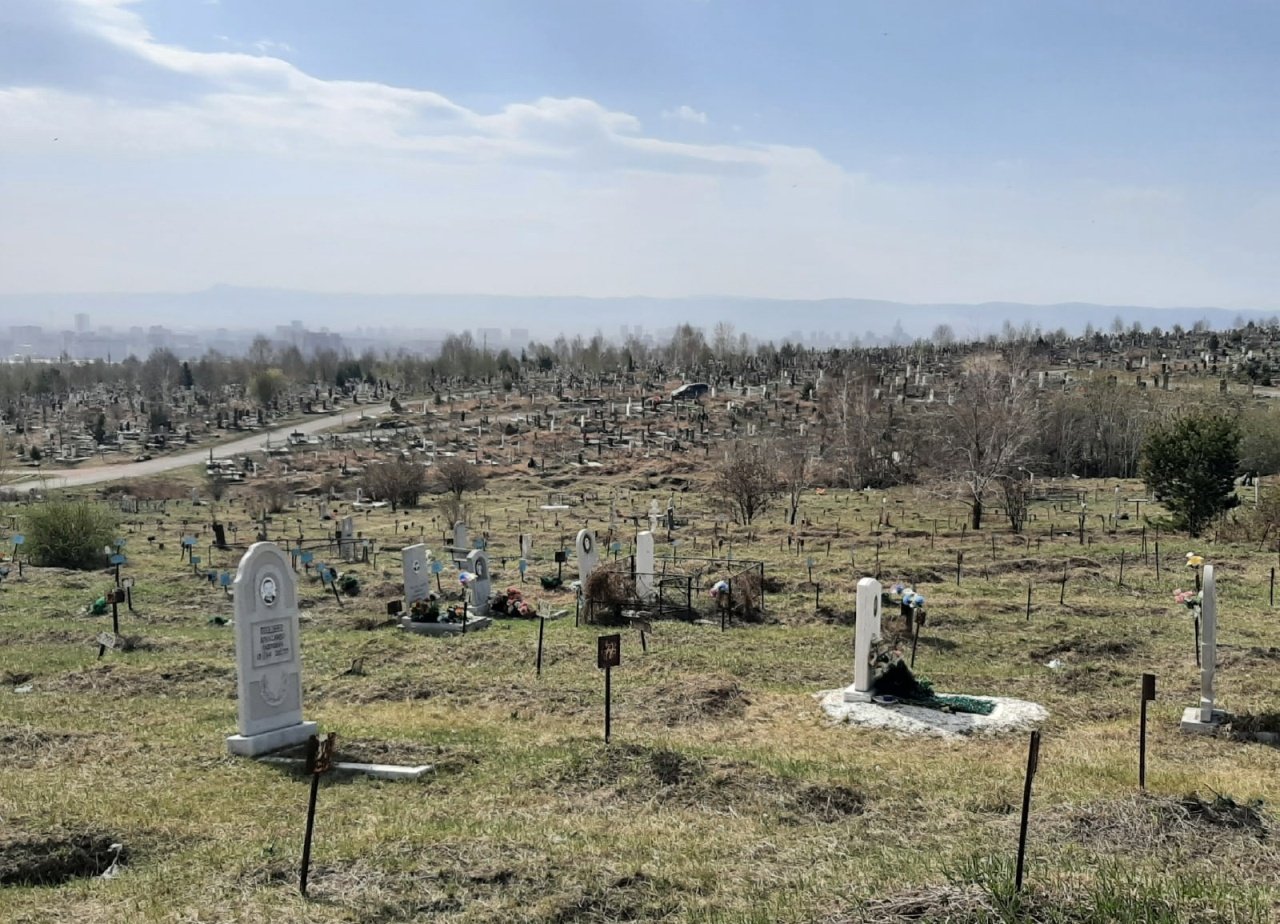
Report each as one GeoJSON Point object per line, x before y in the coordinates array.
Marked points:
{"type": "Point", "coordinates": [644, 566]}
{"type": "Point", "coordinates": [866, 633]}
{"type": "Point", "coordinates": [268, 654]}
{"type": "Point", "coordinates": [526, 545]}
{"type": "Point", "coordinates": [347, 543]}
{"type": "Point", "coordinates": [585, 549]}
{"type": "Point", "coordinates": [478, 564]}
{"type": "Point", "coordinates": [219, 536]}
{"type": "Point", "coordinates": [1205, 719]}
{"type": "Point", "coordinates": [654, 516]}
{"type": "Point", "coordinates": [417, 576]}
{"type": "Point", "coordinates": [459, 535]}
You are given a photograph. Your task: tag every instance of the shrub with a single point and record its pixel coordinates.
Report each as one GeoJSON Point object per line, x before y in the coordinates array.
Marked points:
{"type": "Point", "coordinates": [69, 534]}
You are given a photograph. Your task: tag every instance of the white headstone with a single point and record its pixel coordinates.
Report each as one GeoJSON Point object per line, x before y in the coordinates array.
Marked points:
{"type": "Point", "coordinates": [417, 575]}
{"type": "Point", "coordinates": [644, 566]}
{"type": "Point", "coordinates": [1205, 719]}
{"type": "Point", "coordinates": [268, 655]}
{"type": "Point", "coordinates": [866, 632]}
{"type": "Point", "coordinates": [460, 535]}
{"type": "Point", "coordinates": [587, 555]}
{"type": "Point", "coordinates": [1208, 643]}
{"type": "Point", "coordinates": [348, 542]}
{"type": "Point", "coordinates": [478, 564]}
{"type": "Point", "coordinates": [654, 515]}
{"type": "Point", "coordinates": [526, 545]}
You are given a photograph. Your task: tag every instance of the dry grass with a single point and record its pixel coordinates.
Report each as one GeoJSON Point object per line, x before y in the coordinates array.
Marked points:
{"type": "Point", "coordinates": [726, 796]}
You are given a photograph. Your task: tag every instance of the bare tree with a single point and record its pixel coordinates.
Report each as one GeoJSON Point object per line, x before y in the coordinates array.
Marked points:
{"type": "Point", "coordinates": [1017, 499]}
{"type": "Point", "coordinates": [796, 469]}
{"type": "Point", "coordinates": [747, 480]}
{"type": "Point", "coordinates": [456, 476]}
{"type": "Point", "coordinates": [986, 430]}
{"type": "Point", "coordinates": [399, 482]}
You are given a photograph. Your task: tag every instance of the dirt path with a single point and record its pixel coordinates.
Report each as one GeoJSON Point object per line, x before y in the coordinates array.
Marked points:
{"type": "Point", "coordinates": [75, 478]}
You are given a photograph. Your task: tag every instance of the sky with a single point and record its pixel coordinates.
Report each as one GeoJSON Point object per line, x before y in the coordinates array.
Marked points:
{"type": "Point", "coordinates": [917, 150]}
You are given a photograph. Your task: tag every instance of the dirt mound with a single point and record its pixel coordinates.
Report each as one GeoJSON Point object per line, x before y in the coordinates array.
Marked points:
{"type": "Point", "coordinates": [914, 576]}
{"type": "Point", "coordinates": [28, 747]}
{"type": "Point", "coordinates": [697, 700]}
{"type": "Point", "coordinates": [187, 678]}
{"type": "Point", "coordinates": [1148, 822]}
{"type": "Point", "coordinates": [53, 860]}
{"type": "Point", "coordinates": [386, 590]}
{"type": "Point", "coordinates": [1086, 649]}
{"type": "Point", "coordinates": [958, 903]}
{"type": "Point", "coordinates": [1039, 566]}
{"type": "Point", "coordinates": [1222, 812]}
{"type": "Point", "coordinates": [634, 772]}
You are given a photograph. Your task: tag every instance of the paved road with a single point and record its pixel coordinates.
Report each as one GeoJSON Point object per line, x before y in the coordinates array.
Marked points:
{"type": "Point", "coordinates": [79, 477]}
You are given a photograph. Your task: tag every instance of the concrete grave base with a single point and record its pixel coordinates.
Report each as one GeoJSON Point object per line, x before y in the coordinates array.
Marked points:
{"type": "Point", "coordinates": [855, 696]}
{"type": "Point", "coordinates": [1010, 715]}
{"type": "Point", "coordinates": [377, 771]}
{"type": "Point", "coordinates": [253, 745]}
{"type": "Point", "coordinates": [438, 629]}
{"type": "Point", "coordinates": [1192, 725]}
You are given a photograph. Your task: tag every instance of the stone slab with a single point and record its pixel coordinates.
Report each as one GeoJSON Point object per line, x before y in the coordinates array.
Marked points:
{"type": "Point", "coordinates": [262, 743]}
{"type": "Point", "coordinates": [1192, 725]}
{"type": "Point", "coordinates": [853, 695]}
{"type": "Point", "coordinates": [377, 771]}
{"type": "Point", "coordinates": [438, 629]}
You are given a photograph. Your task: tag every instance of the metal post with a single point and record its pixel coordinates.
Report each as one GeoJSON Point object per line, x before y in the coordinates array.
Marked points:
{"type": "Point", "coordinates": [1033, 761]}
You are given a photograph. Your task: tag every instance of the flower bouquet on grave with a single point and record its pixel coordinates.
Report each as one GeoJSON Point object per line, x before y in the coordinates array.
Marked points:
{"type": "Point", "coordinates": [424, 611]}
{"type": "Point", "coordinates": [1191, 599]}
{"type": "Point", "coordinates": [911, 606]}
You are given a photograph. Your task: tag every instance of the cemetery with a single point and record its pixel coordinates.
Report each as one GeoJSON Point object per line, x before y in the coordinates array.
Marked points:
{"type": "Point", "coordinates": [597, 646]}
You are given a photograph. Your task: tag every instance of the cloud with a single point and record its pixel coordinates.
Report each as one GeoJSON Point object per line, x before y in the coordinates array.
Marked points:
{"type": "Point", "coordinates": [685, 114]}
{"type": "Point", "coordinates": [259, 102]}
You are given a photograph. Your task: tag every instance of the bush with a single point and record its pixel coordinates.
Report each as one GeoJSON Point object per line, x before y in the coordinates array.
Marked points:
{"type": "Point", "coordinates": [69, 534]}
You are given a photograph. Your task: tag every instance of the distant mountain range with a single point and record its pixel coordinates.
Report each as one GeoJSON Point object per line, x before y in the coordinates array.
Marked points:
{"type": "Point", "coordinates": [545, 317]}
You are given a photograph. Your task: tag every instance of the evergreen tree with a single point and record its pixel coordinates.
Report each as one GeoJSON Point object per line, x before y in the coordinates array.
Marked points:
{"type": "Point", "coordinates": [1190, 466]}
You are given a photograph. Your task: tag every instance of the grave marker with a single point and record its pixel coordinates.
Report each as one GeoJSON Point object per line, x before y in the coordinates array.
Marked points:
{"type": "Point", "coordinates": [588, 558]}
{"type": "Point", "coordinates": [866, 633]}
{"type": "Point", "coordinates": [417, 577]}
{"type": "Point", "coordinates": [268, 656]}
{"type": "Point", "coordinates": [1206, 720]}
{"type": "Point", "coordinates": [644, 566]}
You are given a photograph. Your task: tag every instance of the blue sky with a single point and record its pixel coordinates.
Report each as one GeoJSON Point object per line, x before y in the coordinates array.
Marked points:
{"type": "Point", "coordinates": [1118, 152]}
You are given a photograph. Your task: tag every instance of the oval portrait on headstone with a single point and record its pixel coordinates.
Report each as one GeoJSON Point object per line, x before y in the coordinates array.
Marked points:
{"type": "Point", "coordinates": [586, 544]}
{"type": "Point", "coordinates": [267, 590]}
{"type": "Point", "coordinates": [417, 566]}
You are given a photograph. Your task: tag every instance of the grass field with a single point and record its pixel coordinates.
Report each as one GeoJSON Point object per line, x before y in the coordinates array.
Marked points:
{"type": "Point", "coordinates": [725, 795]}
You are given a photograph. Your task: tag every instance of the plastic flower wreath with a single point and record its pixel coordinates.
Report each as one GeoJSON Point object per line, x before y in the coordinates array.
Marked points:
{"type": "Point", "coordinates": [1194, 560]}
